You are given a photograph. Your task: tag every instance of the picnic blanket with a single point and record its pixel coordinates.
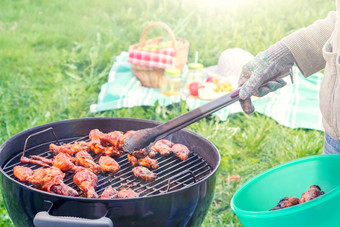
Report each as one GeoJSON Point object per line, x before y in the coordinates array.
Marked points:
{"type": "Point", "coordinates": [295, 106]}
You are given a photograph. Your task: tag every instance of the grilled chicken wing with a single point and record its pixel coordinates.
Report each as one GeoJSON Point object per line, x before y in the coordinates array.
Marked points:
{"type": "Point", "coordinates": [64, 163]}
{"type": "Point", "coordinates": [127, 193]}
{"type": "Point", "coordinates": [51, 180]}
{"type": "Point", "coordinates": [152, 153]}
{"type": "Point", "coordinates": [105, 143]}
{"type": "Point", "coordinates": [108, 164]}
{"type": "Point", "coordinates": [132, 159]}
{"type": "Point", "coordinates": [85, 159]}
{"type": "Point", "coordinates": [87, 181]}
{"type": "Point", "coordinates": [109, 193]}
{"type": "Point", "coordinates": [147, 161]}
{"type": "Point", "coordinates": [69, 148]}
{"type": "Point", "coordinates": [313, 192]}
{"type": "Point", "coordinates": [163, 147]}
{"type": "Point", "coordinates": [106, 139]}
{"type": "Point", "coordinates": [180, 151]}
{"type": "Point", "coordinates": [144, 173]}
{"type": "Point", "coordinates": [22, 173]}
{"type": "Point", "coordinates": [142, 153]}
{"type": "Point", "coordinates": [286, 202]}
{"type": "Point", "coordinates": [111, 151]}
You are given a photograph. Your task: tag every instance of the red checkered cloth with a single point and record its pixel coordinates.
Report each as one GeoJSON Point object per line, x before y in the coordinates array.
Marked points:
{"type": "Point", "coordinates": [162, 58]}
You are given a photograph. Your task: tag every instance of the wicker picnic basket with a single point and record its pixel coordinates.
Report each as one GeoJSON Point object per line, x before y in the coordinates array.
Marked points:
{"type": "Point", "coordinates": [152, 76]}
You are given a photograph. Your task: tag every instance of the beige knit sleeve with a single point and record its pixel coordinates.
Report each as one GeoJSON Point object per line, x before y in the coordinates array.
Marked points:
{"type": "Point", "coordinates": [306, 44]}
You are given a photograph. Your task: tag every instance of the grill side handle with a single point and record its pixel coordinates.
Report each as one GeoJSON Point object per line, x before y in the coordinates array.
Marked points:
{"type": "Point", "coordinates": [43, 219]}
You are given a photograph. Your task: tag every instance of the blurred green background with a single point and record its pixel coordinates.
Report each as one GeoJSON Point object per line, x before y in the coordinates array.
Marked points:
{"type": "Point", "coordinates": [55, 55]}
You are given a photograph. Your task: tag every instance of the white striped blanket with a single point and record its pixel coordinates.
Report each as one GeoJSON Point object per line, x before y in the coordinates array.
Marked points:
{"type": "Point", "coordinates": [295, 106]}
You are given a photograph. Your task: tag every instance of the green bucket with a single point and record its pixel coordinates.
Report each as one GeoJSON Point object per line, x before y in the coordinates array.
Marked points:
{"type": "Point", "coordinates": [256, 197]}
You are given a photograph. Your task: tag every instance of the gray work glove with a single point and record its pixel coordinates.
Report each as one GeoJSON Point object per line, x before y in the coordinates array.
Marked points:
{"type": "Point", "coordinates": [276, 60]}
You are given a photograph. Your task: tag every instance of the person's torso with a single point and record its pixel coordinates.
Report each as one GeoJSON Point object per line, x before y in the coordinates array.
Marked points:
{"type": "Point", "coordinates": [330, 87]}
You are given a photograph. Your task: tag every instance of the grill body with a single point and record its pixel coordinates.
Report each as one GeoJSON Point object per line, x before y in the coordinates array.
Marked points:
{"type": "Point", "coordinates": [183, 207]}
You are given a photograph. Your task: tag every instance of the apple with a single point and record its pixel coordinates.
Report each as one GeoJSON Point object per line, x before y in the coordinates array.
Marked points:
{"type": "Point", "coordinates": [193, 87]}
{"type": "Point", "coordinates": [210, 79]}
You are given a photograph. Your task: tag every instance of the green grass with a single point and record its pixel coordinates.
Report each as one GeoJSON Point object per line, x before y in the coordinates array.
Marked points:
{"type": "Point", "coordinates": [54, 56]}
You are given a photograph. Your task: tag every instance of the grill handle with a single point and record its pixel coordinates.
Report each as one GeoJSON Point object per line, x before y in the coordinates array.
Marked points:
{"type": "Point", "coordinates": [43, 219]}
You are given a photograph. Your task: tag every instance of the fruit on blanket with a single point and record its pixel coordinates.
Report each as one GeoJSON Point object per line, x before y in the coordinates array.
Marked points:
{"type": "Point", "coordinates": [210, 79]}
{"type": "Point", "coordinates": [193, 87]}
{"type": "Point", "coordinates": [224, 87]}
{"type": "Point", "coordinates": [208, 92]}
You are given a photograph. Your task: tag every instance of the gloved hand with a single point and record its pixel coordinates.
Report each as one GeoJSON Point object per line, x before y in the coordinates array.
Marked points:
{"type": "Point", "coordinates": [276, 60]}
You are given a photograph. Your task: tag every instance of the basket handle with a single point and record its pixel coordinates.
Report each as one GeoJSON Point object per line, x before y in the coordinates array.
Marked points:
{"type": "Point", "coordinates": [160, 24]}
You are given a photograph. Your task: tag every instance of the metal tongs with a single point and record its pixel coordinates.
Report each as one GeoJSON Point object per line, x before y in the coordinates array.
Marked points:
{"type": "Point", "coordinates": [146, 138]}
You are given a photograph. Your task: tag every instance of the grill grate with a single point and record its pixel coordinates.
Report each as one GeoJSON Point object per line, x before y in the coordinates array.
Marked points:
{"type": "Point", "coordinates": [172, 173]}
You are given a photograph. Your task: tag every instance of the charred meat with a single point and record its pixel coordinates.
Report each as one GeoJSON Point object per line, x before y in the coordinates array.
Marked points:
{"type": "Point", "coordinates": [124, 137]}
{"type": "Point", "coordinates": [313, 192]}
{"type": "Point", "coordinates": [85, 159]}
{"type": "Point", "coordinates": [22, 173]}
{"type": "Point", "coordinates": [51, 180]}
{"type": "Point", "coordinates": [127, 193]}
{"type": "Point", "coordinates": [132, 159]}
{"type": "Point", "coordinates": [87, 181]}
{"type": "Point", "coordinates": [109, 193]}
{"type": "Point", "coordinates": [147, 162]}
{"type": "Point", "coordinates": [180, 151]}
{"type": "Point", "coordinates": [144, 173]}
{"type": "Point", "coordinates": [64, 163]}
{"type": "Point", "coordinates": [24, 159]}
{"type": "Point", "coordinates": [163, 147]}
{"type": "Point", "coordinates": [108, 164]}
{"type": "Point", "coordinates": [286, 202]}
{"type": "Point", "coordinates": [70, 149]}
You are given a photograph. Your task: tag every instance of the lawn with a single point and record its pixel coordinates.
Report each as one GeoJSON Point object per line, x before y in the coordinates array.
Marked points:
{"type": "Point", "coordinates": [54, 56]}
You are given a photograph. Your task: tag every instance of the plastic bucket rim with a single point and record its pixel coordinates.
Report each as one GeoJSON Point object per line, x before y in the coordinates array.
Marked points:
{"type": "Point", "coordinates": [289, 210]}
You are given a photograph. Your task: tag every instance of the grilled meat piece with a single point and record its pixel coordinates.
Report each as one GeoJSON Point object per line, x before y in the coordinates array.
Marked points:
{"type": "Point", "coordinates": [45, 160]}
{"type": "Point", "coordinates": [63, 189]}
{"type": "Point", "coordinates": [286, 202]}
{"type": "Point", "coordinates": [105, 143]}
{"type": "Point", "coordinates": [132, 159]}
{"type": "Point", "coordinates": [109, 193]}
{"type": "Point", "coordinates": [115, 138]}
{"type": "Point", "coordinates": [87, 181]}
{"type": "Point", "coordinates": [144, 173]}
{"type": "Point", "coordinates": [140, 153]}
{"type": "Point", "coordinates": [51, 180]}
{"type": "Point", "coordinates": [24, 159]}
{"type": "Point", "coordinates": [313, 192]}
{"type": "Point", "coordinates": [108, 164]}
{"type": "Point", "coordinates": [106, 139]}
{"type": "Point", "coordinates": [111, 151]}
{"type": "Point", "coordinates": [63, 161]}
{"type": "Point", "coordinates": [124, 137]}
{"type": "Point", "coordinates": [147, 162]}
{"type": "Point", "coordinates": [22, 173]}
{"type": "Point", "coordinates": [127, 193]}
{"type": "Point", "coordinates": [85, 159]}
{"type": "Point", "coordinates": [152, 153]}
{"type": "Point", "coordinates": [163, 147]}
{"type": "Point", "coordinates": [180, 151]}
{"type": "Point", "coordinates": [69, 148]}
